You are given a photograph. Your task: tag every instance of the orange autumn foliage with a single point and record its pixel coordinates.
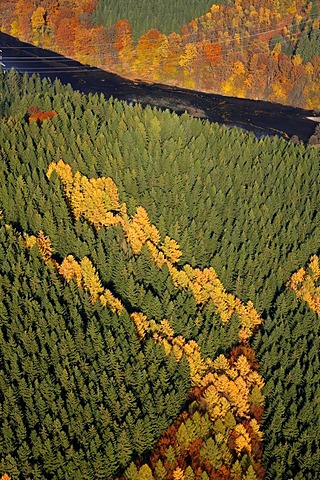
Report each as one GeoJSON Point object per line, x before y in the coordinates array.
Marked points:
{"type": "Point", "coordinates": [122, 39]}
{"type": "Point", "coordinates": [212, 51]}
{"type": "Point", "coordinates": [226, 50]}
{"type": "Point", "coordinates": [36, 116]}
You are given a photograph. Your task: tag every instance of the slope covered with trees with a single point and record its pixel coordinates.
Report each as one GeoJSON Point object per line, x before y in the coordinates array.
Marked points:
{"type": "Point", "coordinates": [288, 350]}
{"type": "Point", "coordinates": [167, 17]}
{"type": "Point", "coordinates": [255, 49]}
{"type": "Point", "coordinates": [143, 255]}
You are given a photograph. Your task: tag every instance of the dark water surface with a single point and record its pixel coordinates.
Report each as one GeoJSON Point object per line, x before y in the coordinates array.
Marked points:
{"type": "Point", "coordinates": [262, 118]}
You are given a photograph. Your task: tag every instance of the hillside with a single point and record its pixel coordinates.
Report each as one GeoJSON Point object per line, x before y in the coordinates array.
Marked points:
{"type": "Point", "coordinates": [261, 49]}
{"type": "Point", "coordinates": [155, 319]}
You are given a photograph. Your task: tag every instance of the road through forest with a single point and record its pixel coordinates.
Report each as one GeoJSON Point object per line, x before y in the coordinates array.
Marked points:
{"type": "Point", "coordinates": [262, 118]}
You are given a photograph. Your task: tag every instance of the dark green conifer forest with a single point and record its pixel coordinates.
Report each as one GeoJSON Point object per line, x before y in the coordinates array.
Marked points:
{"type": "Point", "coordinates": [89, 390]}
{"type": "Point", "coordinates": [167, 17]}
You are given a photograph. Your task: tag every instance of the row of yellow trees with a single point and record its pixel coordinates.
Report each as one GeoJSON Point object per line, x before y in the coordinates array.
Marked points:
{"type": "Point", "coordinates": [228, 389]}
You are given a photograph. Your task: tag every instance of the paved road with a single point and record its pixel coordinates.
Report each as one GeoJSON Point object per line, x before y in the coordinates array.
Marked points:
{"type": "Point", "coordinates": [263, 118]}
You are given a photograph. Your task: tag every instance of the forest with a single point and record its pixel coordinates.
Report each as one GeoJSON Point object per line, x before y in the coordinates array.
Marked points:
{"type": "Point", "coordinates": [159, 294]}
{"type": "Point", "coordinates": [159, 274]}
{"type": "Point", "coordinates": [258, 49]}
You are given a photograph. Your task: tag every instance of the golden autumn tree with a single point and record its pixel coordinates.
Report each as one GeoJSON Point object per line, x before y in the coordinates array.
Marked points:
{"type": "Point", "coordinates": [107, 299]}
{"type": "Point", "coordinates": [64, 171]}
{"type": "Point", "coordinates": [97, 200]}
{"type": "Point", "coordinates": [171, 250]}
{"type": "Point", "coordinates": [170, 68]}
{"type": "Point", "coordinates": [70, 269]}
{"type": "Point", "coordinates": [178, 474]}
{"type": "Point", "coordinates": [236, 85]}
{"type": "Point", "coordinates": [21, 25]}
{"type": "Point", "coordinates": [38, 24]}
{"type": "Point", "coordinates": [157, 255]}
{"type": "Point", "coordinates": [186, 61]}
{"type": "Point", "coordinates": [90, 279]}
{"type": "Point", "coordinates": [123, 44]}
{"type": "Point", "coordinates": [305, 284]}
{"type": "Point", "coordinates": [139, 230]}
{"type": "Point", "coordinates": [43, 243]}
{"type": "Point", "coordinates": [151, 51]}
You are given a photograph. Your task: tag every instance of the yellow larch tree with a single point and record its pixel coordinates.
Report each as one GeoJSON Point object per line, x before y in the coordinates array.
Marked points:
{"type": "Point", "coordinates": [107, 299]}
{"type": "Point", "coordinates": [179, 277]}
{"type": "Point", "coordinates": [64, 172]}
{"type": "Point", "coordinates": [242, 439]}
{"type": "Point", "coordinates": [157, 256]}
{"type": "Point", "coordinates": [38, 24]}
{"type": "Point", "coordinates": [249, 319]}
{"type": "Point", "coordinates": [139, 230]}
{"type": "Point", "coordinates": [171, 250]}
{"type": "Point", "coordinates": [178, 474]}
{"type": "Point", "coordinates": [305, 284]}
{"type": "Point", "coordinates": [45, 247]}
{"type": "Point", "coordinates": [190, 53]}
{"type": "Point", "coordinates": [70, 268]}
{"type": "Point", "coordinates": [97, 200]}
{"type": "Point", "coordinates": [90, 279]}
{"type": "Point", "coordinates": [43, 243]}
{"type": "Point", "coordinates": [145, 473]}
{"type": "Point", "coordinates": [142, 324]}
{"type": "Point", "coordinates": [234, 383]}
